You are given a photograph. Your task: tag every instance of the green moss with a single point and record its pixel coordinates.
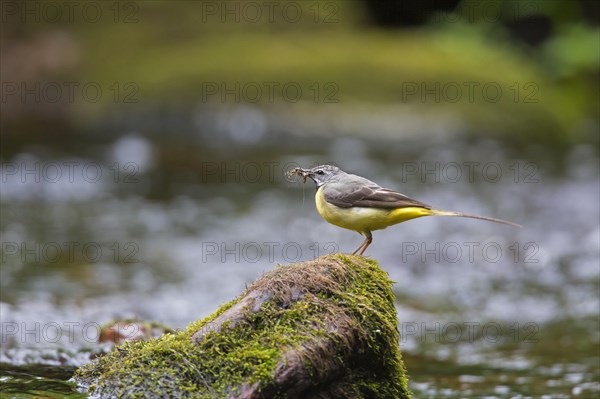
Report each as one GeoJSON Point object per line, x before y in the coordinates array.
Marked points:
{"type": "Point", "coordinates": [306, 302]}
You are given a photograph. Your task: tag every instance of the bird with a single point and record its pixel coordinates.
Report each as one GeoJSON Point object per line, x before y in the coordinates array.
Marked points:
{"type": "Point", "coordinates": [359, 204]}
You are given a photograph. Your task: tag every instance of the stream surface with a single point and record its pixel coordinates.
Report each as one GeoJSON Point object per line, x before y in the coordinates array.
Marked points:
{"type": "Point", "coordinates": [136, 228]}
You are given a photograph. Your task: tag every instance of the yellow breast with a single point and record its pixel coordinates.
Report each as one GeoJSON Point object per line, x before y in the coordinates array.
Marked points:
{"type": "Point", "coordinates": [365, 219]}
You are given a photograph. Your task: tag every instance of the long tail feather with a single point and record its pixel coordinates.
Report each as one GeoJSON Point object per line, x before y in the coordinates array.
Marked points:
{"type": "Point", "coordinates": [468, 215]}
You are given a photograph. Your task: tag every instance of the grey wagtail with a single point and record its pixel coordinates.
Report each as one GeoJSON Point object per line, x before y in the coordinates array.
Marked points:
{"type": "Point", "coordinates": [358, 204]}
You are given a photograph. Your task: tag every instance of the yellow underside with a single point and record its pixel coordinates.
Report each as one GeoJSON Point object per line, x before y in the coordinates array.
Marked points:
{"type": "Point", "coordinates": [366, 219]}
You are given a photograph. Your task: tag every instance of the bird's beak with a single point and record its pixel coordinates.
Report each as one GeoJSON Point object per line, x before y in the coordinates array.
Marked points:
{"type": "Point", "coordinates": [302, 172]}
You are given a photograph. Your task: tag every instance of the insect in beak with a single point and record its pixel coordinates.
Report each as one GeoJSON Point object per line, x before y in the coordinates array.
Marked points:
{"type": "Point", "coordinates": [299, 172]}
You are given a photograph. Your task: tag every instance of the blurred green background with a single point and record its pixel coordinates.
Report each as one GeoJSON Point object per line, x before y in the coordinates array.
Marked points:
{"type": "Point", "coordinates": [192, 111]}
{"type": "Point", "coordinates": [430, 59]}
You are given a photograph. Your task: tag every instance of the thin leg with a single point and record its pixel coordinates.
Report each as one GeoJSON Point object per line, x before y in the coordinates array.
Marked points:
{"type": "Point", "coordinates": [364, 244]}
{"type": "Point", "coordinates": [368, 242]}
{"type": "Point", "coordinates": [360, 246]}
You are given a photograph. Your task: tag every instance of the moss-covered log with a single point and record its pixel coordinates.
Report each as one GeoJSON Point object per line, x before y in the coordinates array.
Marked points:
{"type": "Point", "coordinates": [320, 329]}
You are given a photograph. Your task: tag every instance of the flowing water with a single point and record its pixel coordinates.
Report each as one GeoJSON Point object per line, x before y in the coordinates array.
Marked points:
{"type": "Point", "coordinates": [135, 227]}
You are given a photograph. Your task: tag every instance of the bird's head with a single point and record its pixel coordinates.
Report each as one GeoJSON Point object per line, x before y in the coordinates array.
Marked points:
{"type": "Point", "coordinates": [319, 174]}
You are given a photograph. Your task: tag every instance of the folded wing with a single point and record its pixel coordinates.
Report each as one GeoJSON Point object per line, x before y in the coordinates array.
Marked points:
{"type": "Point", "coordinates": [368, 196]}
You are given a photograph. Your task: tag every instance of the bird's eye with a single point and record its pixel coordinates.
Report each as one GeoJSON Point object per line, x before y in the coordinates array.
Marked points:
{"type": "Point", "coordinates": [320, 172]}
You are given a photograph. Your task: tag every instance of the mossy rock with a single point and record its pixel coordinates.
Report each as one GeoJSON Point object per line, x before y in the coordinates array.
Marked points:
{"type": "Point", "coordinates": [320, 329]}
